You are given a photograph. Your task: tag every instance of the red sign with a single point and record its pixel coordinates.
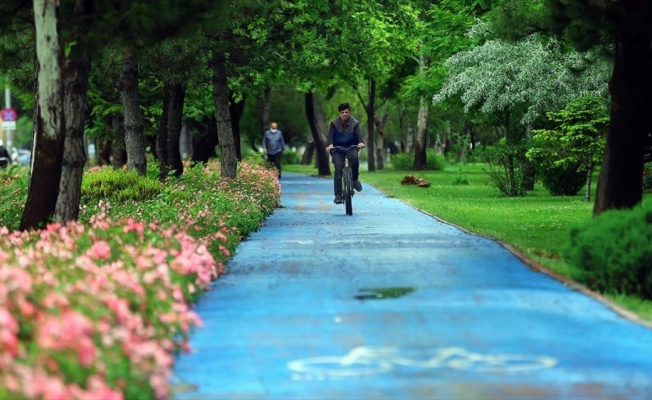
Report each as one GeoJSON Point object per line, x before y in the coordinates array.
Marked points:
{"type": "Point", "coordinates": [8, 114]}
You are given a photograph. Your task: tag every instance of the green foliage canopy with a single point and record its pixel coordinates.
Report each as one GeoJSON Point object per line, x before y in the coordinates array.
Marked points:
{"type": "Point", "coordinates": [577, 139]}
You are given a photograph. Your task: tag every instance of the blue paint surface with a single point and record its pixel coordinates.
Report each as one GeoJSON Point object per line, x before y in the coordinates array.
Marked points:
{"type": "Point", "coordinates": [284, 323]}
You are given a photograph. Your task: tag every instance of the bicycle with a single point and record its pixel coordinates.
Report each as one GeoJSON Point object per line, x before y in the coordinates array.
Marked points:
{"type": "Point", "coordinates": [365, 361]}
{"type": "Point", "coordinates": [347, 178]}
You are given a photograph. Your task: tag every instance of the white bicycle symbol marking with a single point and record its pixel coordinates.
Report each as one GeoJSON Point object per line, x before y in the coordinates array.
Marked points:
{"type": "Point", "coordinates": [363, 361]}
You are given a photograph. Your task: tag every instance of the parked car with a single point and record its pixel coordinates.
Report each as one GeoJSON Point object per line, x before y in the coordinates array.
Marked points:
{"type": "Point", "coordinates": [24, 157]}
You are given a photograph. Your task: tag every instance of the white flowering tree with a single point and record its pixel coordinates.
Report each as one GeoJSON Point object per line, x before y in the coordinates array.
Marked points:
{"type": "Point", "coordinates": [529, 78]}
{"type": "Point", "coordinates": [519, 82]}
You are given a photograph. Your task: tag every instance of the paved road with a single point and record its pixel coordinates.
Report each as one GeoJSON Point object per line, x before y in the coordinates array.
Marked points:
{"type": "Point", "coordinates": [392, 304]}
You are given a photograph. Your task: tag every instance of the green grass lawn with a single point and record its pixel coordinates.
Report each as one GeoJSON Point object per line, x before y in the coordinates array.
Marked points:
{"type": "Point", "coordinates": [536, 225]}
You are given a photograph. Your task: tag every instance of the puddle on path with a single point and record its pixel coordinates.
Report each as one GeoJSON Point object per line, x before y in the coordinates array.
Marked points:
{"type": "Point", "coordinates": [383, 293]}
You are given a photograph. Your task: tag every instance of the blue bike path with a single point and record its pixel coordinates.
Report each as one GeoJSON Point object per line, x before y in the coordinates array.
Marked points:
{"type": "Point", "coordinates": [391, 303]}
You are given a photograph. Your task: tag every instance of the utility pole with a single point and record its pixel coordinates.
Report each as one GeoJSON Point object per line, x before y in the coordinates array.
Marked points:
{"type": "Point", "coordinates": [8, 132]}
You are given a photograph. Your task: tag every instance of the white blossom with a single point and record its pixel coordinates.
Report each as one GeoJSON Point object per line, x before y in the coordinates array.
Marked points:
{"type": "Point", "coordinates": [536, 73]}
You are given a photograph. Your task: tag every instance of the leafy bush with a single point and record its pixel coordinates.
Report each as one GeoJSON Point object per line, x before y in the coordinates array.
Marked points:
{"type": "Point", "coordinates": [482, 153]}
{"type": "Point", "coordinates": [291, 157]}
{"type": "Point", "coordinates": [613, 250]}
{"type": "Point", "coordinates": [460, 179]}
{"type": "Point", "coordinates": [109, 184]}
{"type": "Point", "coordinates": [562, 180]}
{"type": "Point", "coordinates": [647, 178]}
{"type": "Point", "coordinates": [402, 161]}
{"type": "Point", "coordinates": [435, 161]}
{"type": "Point", "coordinates": [506, 168]}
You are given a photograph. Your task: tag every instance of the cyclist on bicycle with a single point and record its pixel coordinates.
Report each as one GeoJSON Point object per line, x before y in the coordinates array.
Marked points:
{"type": "Point", "coordinates": [344, 131]}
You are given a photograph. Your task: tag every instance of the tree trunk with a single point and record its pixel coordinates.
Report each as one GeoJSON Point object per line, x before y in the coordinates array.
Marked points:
{"type": "Point", "coordinates": [134, 126]}
{"type": "Point", "coordinates": [410, 137]}
{"type": "Point", "coordinates": [236, 110]}
{"type": "Point", "coordinates": [118, 153]}
{"type": "Point", "coordinates": [529, 173]}
{"type": "Point", "coordinates": [589, 177]}
{"type": "Point", "coordinates": [420, 160]}
{"type": "Point", "coordinates": [204, 144]}
{"type": "Point", "coordinates": [620, 184]}
{"type": "Point", "coordinates": [175, 119]}
{"type": "Point", "coordinates": [469, 128]}
{"type": "Point", "coordinates": [401, 127]}
{"type": "Point", "coordinates": [380, 128]}
{"type": "Point", "coordinates": [162, 134]}
{"type": "Point", "coordinates": [75, 82]}
{"type": "Point", "coordinates": [228, 158]}
{"type": "Point", "coordinates": [185, 142]}
{"type": "Point", "coordinates": [103, 152]}
{"type": "Point", "coordinates": [420, 145]}
{"type": "Point", "coordinates": [49, 122]}
{"type": "Point", "coordinates": [323, 165]}
{"type": "Point", "coordinates": [370, 109]}
{"type": "Point", "coordinates": [306, 157]}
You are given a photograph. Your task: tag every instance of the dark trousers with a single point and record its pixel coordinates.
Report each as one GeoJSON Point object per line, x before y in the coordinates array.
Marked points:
{"type": "Point", "coordinates": [276, 160]}
{"type": "Point", "coordinates": [338, 162]}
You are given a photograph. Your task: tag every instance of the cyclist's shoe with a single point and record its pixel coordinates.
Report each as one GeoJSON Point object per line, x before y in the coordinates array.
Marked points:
{"type": "Point", "coordinates": [357, 185]}
{"type": "Point", "coordinates": [338, 199]}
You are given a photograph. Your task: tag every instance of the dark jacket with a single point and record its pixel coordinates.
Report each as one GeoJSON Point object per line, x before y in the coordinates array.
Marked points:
{"type": "Point", "coordinates": [338, 135]}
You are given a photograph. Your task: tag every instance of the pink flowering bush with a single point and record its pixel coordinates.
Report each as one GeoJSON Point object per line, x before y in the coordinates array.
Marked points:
{"type": "Point", "coordinates": [204, 204]}
{"type": "Point", "coordinates": [97, 309]}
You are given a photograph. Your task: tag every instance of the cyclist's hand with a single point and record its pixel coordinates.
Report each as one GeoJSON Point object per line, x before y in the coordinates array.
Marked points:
{"type": "Point", "coordinates": [329, 147]}
{"type": "Point", "coordinates": [361, 145]}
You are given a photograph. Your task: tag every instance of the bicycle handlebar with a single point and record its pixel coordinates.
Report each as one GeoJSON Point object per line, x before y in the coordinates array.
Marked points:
{"type": "Point", "coordinates": [345, 148]}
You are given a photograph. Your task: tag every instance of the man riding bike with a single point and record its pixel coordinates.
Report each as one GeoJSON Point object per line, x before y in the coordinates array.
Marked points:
{"type": "Point", "coordinates": [344, 131]}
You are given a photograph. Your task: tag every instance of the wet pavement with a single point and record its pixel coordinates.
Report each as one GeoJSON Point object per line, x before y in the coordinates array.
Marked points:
{"type": "Point", "coordinates": [391, 303]}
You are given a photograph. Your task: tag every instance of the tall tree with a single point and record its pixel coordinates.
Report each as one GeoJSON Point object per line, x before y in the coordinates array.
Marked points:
{"type": "Point", "coordinates": [133, 118]}
{"type": "Point", "coordinates": [382, 43]}
{"type": "Point", "coordinates": [75, 86]}
{"type": "Point", "coordinates": [623, 26]}
{"type": "Point", "coordinates": [49, 119]}
{"type": "Point", "coordinates": [620, 184]}
{"type": "Point", "coordinates": [228, 156]}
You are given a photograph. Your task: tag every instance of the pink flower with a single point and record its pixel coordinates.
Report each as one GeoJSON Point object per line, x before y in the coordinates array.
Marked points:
{"type": "Point", "coordinates": [8, 342]}
{"type": "Point", "coordinates": [100, 250]}
{"type": "Point", "coordinates": [132, 225]}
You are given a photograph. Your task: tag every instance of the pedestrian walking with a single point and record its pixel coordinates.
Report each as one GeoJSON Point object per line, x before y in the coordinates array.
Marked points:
{"type": "Point", "coordinates": [274, 146]}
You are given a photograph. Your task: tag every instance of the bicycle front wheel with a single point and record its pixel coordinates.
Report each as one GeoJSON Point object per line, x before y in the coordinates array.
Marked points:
{"type": "Point", "coordinates": [348, 201]}
{"type": "Point", "coordinates": [347, 186]}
